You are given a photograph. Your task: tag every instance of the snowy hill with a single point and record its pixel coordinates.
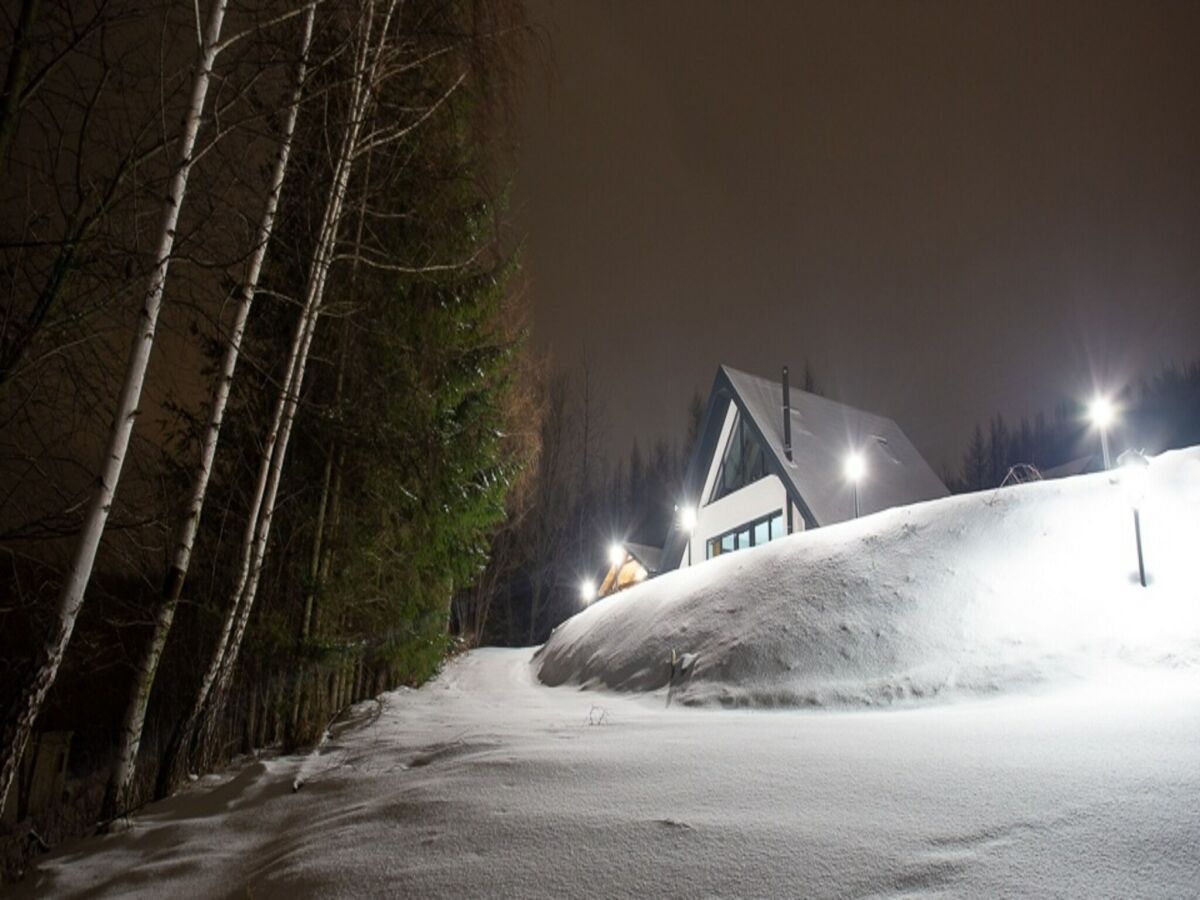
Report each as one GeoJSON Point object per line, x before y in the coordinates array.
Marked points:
{"type": "Point", "coordinates": [971, 594]}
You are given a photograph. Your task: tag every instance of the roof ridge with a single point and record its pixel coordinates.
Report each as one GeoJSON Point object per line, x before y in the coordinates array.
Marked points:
{"type": "Point", "coordinates": [819, 397]}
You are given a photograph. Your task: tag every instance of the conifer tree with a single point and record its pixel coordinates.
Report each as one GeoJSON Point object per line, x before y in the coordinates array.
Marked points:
{"type": "Point", "coordinates": [975, 465]}
{"type": "Point", "coordinates": [997, 451]}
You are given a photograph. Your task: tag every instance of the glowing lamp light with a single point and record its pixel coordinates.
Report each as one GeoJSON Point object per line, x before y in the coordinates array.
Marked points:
{"type": "Point", "coordinates": [1102, 412]}
{"type": "Point", "coordinates": [855, 467]}
{"type": "Point", "coordinates": [1134, 468]}
{"type": "Point", "coordinates": [687, 518]}
{"type": "Point", "coordinates": [616, 554]}
{"type": "Point", "coordinates": [587, 590]}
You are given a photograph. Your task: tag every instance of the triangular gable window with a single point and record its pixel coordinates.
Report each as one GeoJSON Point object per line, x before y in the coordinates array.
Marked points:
{"type": "Point", "coordinates": [743, 463]}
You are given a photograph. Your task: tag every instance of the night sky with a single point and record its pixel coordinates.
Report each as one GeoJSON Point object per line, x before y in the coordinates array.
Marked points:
{"type": "Point", "coordinates": [951, 208]}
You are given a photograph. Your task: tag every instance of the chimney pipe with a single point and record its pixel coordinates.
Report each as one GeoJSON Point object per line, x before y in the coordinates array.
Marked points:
{"type": "Point", "coordinates": [787, 416]}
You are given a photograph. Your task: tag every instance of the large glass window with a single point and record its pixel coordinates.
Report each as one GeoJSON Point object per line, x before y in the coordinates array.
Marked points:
{"type": "Point", "coordinates": [743, 463]}
{"type": "Point", "coordinates": [760, 531]}
{"type": "Point", "coordinates": [778, 526]}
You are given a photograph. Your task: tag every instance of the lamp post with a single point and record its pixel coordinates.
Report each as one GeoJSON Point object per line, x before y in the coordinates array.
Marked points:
{"type": "Point", "coordinates": [687, 521]}
{"type": "Point", "coordinates": [1102, 413]}
{"type": "Point", "coordinates": [855, 468]}
{"type": "Point", "coordinates": [1134, 469]}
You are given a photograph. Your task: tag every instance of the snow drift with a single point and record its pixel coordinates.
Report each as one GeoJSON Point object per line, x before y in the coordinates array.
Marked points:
{"type": "Point", "coordinates": [978, 593]}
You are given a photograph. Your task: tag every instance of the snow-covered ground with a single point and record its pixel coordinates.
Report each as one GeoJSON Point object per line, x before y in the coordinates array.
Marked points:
{"type": "Point", "coordinates": [486, 783]}
{"type": "Point", "coordinates": [993, 718]}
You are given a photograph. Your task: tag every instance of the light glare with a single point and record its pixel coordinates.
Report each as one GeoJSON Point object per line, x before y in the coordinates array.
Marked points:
{"type": "Point", "coordinates": [687, 518]}
{"type": "Point", "coordinates": [1102, 412]}
{"type": "Point", "coordinates": [587, 590]}
{"type": "Point", "coordinates": [616, 554]}
{"type": "Point", "coordinates": [1133, 473]}
{"type": "Point", "coordinates": [856, 467]}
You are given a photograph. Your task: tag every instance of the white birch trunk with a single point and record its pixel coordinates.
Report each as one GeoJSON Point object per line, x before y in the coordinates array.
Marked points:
{"type": "Point", "coordinates": [317, 280]}
{"type": "Point", "coordinates": [19, 719]}
{"type": "Point", "coordinates": [258, 524]}
{"type": "Point", "coordinates": [117, 796]}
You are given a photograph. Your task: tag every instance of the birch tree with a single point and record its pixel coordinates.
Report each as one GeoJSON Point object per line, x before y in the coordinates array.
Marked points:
{"type": "Point", "coordinates": [371, 36]}
{"type": "Point", "coordinates": [117, 794]}
{"type": "Point", "coordinates": [18, 720]}
{"type": "Point", "coordinates": [383, 111]}
{"type": "Point", "coordinates": [356, 144]}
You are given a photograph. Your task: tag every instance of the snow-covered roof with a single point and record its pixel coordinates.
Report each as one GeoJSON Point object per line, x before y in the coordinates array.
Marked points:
{"type": "Point", "coordinates": [823, 433]}
{"type": "Point", "coordinates": [648, 556]}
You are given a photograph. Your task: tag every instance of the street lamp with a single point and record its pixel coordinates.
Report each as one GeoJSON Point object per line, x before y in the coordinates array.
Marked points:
{"type": "Point", "coordinates": [1102, 413]}
{"type": "Point", "coordinates": [855, 468]}
{"type": "Point", "coordinates": [687, 521]}
{"type": "Point", "coordinates": [1134, 469]}
{"type": "Point", "coordinates": [587, 591]}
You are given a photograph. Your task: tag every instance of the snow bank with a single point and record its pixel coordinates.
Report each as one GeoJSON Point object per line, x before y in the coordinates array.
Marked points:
{"type": "Point", "coordinates": [978, 594]}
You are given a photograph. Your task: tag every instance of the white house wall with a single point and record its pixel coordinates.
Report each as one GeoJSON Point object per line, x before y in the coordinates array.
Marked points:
{"type": "Point", "coordinates": [754, 501]}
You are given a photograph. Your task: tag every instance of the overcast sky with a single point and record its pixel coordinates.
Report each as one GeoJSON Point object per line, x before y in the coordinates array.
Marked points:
{"type": "Point", "coordinates": [950, 208]}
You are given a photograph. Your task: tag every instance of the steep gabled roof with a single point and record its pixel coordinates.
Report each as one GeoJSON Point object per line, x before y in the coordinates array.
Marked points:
{"type": "Point", "coordinates": [823, 433]}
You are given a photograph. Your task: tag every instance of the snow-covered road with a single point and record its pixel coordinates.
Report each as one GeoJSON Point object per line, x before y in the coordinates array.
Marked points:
{"type": "Point", "coordinates": [486, 783]}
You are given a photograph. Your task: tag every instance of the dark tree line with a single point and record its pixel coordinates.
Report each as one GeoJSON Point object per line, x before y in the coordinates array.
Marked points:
{"type": "Point", "coordinates": [263, 384]}
{"type": "Point", "coordinates": [576, 502]}
{"type": "Point", "coordinates": [1160, 412]}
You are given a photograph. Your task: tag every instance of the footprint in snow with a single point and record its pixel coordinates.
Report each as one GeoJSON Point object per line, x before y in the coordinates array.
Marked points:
{"type": "Point", "coordinates": [673, 823]}
{"type": "Point", "coordinates": [448, 751]}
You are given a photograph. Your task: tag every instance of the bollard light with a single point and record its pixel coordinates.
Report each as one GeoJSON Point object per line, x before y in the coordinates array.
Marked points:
{"type": "Point", "coordinates": [1134, 472]}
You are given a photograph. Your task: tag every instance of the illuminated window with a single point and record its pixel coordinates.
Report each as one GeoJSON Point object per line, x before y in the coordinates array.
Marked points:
{"type": "Point", "coordinates": [778, 526]}
{"type": "Point", "coordinates": [752, 534]}
{"type": "Point", "coordinates": [762, 532]}
{"type": "Point", "coordinates": [743, 463]}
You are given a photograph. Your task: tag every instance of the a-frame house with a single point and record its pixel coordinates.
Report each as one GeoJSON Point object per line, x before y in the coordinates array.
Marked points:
{"type": "Point", "coordinates": [770, 461]}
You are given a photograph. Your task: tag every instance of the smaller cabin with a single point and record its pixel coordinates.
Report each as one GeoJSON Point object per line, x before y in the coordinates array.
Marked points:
{"type": "Point", "coordinates": [629, 564]}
